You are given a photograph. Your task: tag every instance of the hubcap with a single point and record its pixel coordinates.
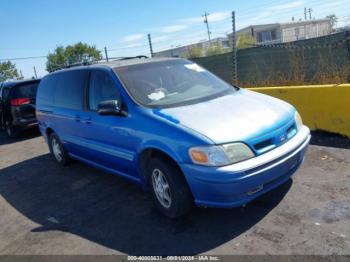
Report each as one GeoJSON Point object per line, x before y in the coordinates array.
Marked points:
{"type": "Point", "coordinates": [56, 149]}
{"type": "Point", "coordinates": [161, 188]}
{"type": "Point", "coordinates": [8, 129]}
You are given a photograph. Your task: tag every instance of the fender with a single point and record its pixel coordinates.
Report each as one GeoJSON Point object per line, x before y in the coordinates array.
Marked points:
{"type": "Point", "coordinates": [153, 144]}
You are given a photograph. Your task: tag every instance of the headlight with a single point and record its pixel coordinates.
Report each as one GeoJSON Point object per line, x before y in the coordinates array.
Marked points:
{"type": "Point", "coordinates": [298, 120]}
{"type": "Point", "coordinates": [220, 155]}
{"type": "Point", "coordinates": [238, 152]}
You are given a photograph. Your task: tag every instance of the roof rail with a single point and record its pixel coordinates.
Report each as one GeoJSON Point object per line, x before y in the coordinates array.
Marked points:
{"type": "Point", "coordinates": [132, 57]}
{"type": "Point", "coordinates": [86, 63]}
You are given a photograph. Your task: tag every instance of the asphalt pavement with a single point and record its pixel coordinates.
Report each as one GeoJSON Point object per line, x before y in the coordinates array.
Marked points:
{"type": "Point", "coordinates": [48, 209]}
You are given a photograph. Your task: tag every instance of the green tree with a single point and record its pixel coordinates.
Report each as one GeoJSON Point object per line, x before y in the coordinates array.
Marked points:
{"type": "Point", "coordinates": [194, 52]}
{"type": "Point", "coordinates": [71, 54]}
{"type": "Point", "coordinates": [215, 49]}
{"type": "Point", "coordinates": [245, 40]}
{"type": "Point", "coordinates": [8, 71]}
{"type": "Point", "coordinates": [333, 19]}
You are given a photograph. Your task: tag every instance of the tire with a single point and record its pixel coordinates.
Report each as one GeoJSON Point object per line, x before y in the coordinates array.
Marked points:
{"type": "Point", "coordinates": [181, 200]}
{"type": "Point", "coordinates": [57, 150]}
{"type": "Point", "coordinates": [11, 131]}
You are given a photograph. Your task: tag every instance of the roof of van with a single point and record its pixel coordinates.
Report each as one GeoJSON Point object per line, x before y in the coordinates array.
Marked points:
{"type": "Point", "coordinates": [18, 82]}
{"type": "Point", "coordinates": [134, 61]}
{"type": "Point", "coordinates": [118, 63]}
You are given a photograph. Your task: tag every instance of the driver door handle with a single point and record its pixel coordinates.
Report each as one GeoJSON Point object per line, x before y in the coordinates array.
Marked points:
{"type": "Point", "coordinates": [87, 120]}
{"type": "Point", "coordinates": [77, 118]}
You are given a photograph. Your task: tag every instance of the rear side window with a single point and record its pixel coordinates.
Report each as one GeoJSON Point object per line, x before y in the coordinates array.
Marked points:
{"type": "Point", "coordinates": [101, 88]}
{"type": "Point", "coordinates": [46, 90]}
{"type": "Point", "coordinates": [25, 91]}
{"type": "Point", "coordinates": [69, 91]}
{"type": "Point", "coordinates": [5, 93]}
{"type": "Point", "coordinates": [64, 89]}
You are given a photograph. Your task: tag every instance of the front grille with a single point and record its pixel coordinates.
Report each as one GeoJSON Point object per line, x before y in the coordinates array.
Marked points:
{"type": "Point", "coordinates": [263, 144]}
{"type": "Point", "coordinates": [275, 140]}
{"type": "Point", "coordinates": [291, 131]}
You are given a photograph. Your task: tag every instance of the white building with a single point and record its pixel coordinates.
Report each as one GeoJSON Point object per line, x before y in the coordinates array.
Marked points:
{"type": "Point", "coordinates": [182, 51]}
{"type": "Point", "coordinates": [287, 32]}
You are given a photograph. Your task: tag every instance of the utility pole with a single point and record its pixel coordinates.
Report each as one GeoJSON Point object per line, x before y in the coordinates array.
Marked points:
{"type": "Point", "coordinates": [106, 54]}
{"type": "Point", "coordinates": [206, 22]}
{"type": "Point", "coordinates": [36, 76]}
{"type": "Point", "coordinates": [310, 10]}
{"type": "Point", "coordinates": [20, 72]}
{"type": "Point", "coordinates": [234, 49]}
{"type": "Point", "coordinates": [305, 13]}
{"type": "Point", "coordinates": [150, 44]}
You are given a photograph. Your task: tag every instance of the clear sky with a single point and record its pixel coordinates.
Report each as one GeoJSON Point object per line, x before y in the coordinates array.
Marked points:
{"type": "Point", "coordinates": [35, 27]}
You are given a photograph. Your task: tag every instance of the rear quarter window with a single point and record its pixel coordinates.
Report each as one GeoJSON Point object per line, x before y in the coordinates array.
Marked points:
{"type": "Point", "coordinates": [69, 91]}
{"type": "Point", "coordinates": [5, 93]}
{"type": "Point", "coordinates": [46, 91]}
{"type": "Point", "coordinates": [65, 89]}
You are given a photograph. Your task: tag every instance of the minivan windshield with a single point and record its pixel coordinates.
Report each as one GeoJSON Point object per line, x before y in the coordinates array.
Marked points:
{"type": "Point", "coordinates": [171, 83]}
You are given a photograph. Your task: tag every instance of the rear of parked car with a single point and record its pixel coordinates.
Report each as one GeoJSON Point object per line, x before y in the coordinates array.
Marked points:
{"type": "Point", "coordinates": [17, 106]}
{"type": "Point", "coordinates": [174, 128]}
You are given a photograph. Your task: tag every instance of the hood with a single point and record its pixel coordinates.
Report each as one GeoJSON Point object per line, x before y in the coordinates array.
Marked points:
{"type": "Point", "coordinates": [240, 116]}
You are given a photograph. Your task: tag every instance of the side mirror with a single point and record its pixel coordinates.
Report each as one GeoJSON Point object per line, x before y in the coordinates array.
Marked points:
{"type": "Point", "coordinates": [110, 107]}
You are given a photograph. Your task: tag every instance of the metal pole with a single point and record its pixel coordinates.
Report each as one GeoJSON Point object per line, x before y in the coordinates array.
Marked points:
{"type": "Point", "coordinates": [150, 44]}
{"type": "Point", "coordinates": [310, 10]}
{"type": "Point", "coordinates": [206, 22]}
{"type": "Point", "coordinates": [347, 37]}
{"type": "Point", "coordinates": [234, 49]}
{"type": "Point", "coordinates": [20, 72]}
{"type": "Point", "coordinates": [106, 54]}
{"type": "Point", "coordinates": [36, 76]}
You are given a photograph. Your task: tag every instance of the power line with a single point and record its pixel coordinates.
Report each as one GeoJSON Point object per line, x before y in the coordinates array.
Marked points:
{"type": "Point", "coordinates": [22, 58]}
{"type": "Point", "coordinates": [126, 47]}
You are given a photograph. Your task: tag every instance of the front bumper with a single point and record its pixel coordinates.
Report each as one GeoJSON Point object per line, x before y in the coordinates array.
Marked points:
{"type": "Point", "coordinates": [240, 183]}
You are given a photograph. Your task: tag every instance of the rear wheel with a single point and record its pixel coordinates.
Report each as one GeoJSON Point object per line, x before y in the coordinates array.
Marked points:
{"type": "Point", "coordinates": [169, 188]}
{"type": "Point", "coordinates": [57, 150]}
{"type": "Point", "coordinates": [11, 131]}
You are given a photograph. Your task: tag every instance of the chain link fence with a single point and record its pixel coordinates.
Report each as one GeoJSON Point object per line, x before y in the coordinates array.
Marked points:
{"type": "Point", "coordinates": [322, 60]}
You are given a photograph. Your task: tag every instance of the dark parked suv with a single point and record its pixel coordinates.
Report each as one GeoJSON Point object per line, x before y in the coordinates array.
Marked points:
{"type": "Point", "coordinates": [17, 106]}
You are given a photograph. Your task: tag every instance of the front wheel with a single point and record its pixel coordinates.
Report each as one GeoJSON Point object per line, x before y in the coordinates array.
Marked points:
{"type": "Point", "coordinates": [57, 150]}
{"type": "Point", "coordinates": [169, 188]}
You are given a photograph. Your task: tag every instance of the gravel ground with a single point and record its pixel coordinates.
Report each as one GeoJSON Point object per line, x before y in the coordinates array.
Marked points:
{"type": "Point", "coordinates": [48, 209]}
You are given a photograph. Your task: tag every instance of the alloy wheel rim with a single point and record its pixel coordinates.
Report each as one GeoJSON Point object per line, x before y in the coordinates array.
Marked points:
{"type": "Point", "coordinates": [56, 149]}
{"type": "Point", "coordinates": [161, 188]}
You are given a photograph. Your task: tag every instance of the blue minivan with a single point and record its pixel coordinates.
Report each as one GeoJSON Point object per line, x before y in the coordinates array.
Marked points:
{"type": "Point", "coordinates": [174, 128]}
